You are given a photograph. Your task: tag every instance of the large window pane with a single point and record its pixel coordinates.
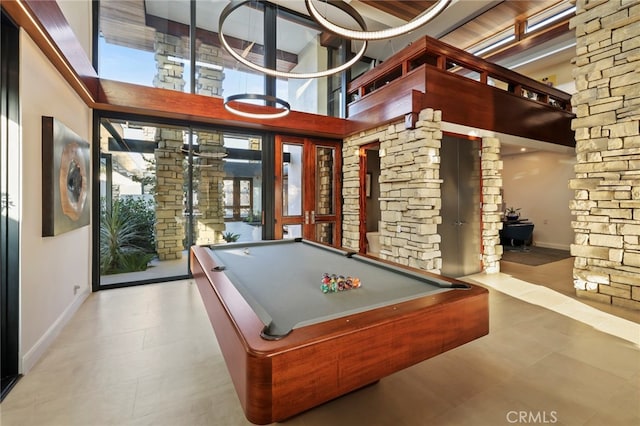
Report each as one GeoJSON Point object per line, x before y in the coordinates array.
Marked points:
{"type": "Point", "coordinates": [217, 72]}
{"type": "Point", "coordinates": [142, 215]}
{"type": "Point", "coordinates": [163, 188]}
{"type": "Point", "coordinates": [242, 179]}
{"type": "Point", "coordinates": [300, 51]}
{"type": "Point", "coordinates": [145, 42]}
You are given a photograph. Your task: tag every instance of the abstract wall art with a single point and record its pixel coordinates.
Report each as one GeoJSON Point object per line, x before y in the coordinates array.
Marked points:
{"type": "Point", "coordinates": [65, 179]}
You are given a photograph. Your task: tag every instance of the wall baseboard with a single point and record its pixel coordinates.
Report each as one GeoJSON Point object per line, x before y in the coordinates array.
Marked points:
{"type": "Point", "coordinates": [33, 355]}
{"type": "Point", "coordinates": [553, 245]}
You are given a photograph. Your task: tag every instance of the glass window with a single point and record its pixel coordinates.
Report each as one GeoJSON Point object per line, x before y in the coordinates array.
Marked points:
{"type": "Point", "coordinates": [145, 43]}
{"type": "Point", "coordinates": [163, 188]}
{"type": "Point", "coordinates": [238, 169]}
{"type": "Point", "coordinates": [148, 43]}
{"type": "Point", "coordinates": [142, 212]}
{"type": "Point", "coordinates": [217, 72]}
{"type": "Point", "coordinates": [292, 173]}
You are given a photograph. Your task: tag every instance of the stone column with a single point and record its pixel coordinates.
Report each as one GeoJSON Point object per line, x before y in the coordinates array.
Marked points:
{"type": "Point", "coordinates": [209, 68]}
{"type": "Point", "coordinates": [410, 198]}
{"type": "Point", "coordinates": [170, 72]}
{"type": "Point", "coordinates": [209, 219]}
{"type": "Point", "coordinates": [169, 194]}
{"type": "Point", "coordinates": [491, 204]}
{"type": "Point", "coordinates": [607, 173]}
{"type": "Point", "coordinates": [325, 194]}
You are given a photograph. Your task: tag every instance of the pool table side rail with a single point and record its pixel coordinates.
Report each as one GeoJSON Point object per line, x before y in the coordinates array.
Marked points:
{"type": "Point", "coordinates": [278, 379]}
{"type": "Point", "coordinates": [235, 350]}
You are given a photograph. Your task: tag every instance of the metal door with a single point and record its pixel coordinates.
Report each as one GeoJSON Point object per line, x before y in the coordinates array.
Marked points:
{"type": "Point", "coordinates": [460, 230]}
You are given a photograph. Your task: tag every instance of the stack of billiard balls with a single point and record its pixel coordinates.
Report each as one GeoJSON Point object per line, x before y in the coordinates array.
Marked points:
{"type": "Point", "coordinates": [333, 283]}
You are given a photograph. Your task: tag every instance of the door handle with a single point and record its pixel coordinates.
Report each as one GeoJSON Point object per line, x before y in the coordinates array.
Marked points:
{"type": "Point", "coordinates": [306, 217]}
{"type": "Point", "coordinates": [313, 217]}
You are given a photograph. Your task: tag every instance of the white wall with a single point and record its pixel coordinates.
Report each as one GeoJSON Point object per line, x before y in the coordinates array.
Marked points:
{"type": "Point", "coordinates": [561, 70]}
{"type": "Point", "coordinates": [309, 94]}
{"type": "Point", "coordinates": [538, 184]}
{"type": "Point", "coordinates": [49, 267]}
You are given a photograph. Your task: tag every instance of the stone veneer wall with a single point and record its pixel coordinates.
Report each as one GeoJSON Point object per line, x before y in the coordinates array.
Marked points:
{"type": "Point", "coordinates": [607, 173]}
{"type": "Point", "coordinates": [491, 165]}
{"type": "Point", "coordinates": [170, 223]}
{"type": "Point", "coordinates": [325, 168]}
{"type": "Point", "coordinates": [410, 193]}
{"type": "Point", "coordinates": [209, 175]}
{"type": "Point", "coordinates": [170, 74]}
{"type": "Point", "coordinates": [170, 230]}
{"type": "Point", "coordinates": [208, 80]}
{"type": "Point", "coordinates": [169, 194]}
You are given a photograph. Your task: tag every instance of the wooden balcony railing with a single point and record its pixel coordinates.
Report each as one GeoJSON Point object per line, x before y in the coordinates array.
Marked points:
{"type": "Point", "coordinates": [468, 90]}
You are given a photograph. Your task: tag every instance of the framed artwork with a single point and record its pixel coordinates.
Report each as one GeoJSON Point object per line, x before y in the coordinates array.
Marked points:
{"type": "Point", "coordinates": [65, 179]}
{"type": "Point", "coordinates": [367, 185]}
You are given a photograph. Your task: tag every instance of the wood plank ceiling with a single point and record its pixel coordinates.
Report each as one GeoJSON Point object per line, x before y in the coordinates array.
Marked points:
{"type": "Point", "coordinates": [406, 10]}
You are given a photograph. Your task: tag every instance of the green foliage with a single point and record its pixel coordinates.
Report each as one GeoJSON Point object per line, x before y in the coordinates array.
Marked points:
{"type": "Point", "coordinates": [135, 261]}
{"type": "Point", "coordinates": [127, 240]}
{"type": "Point", "coordinates": [253, 217]}
{"type": "Point", "coordinates": [230, 237]}
{"type": "Point", "coordinates": [142, 213]}
{"type": "Point", "coordinates": [513, 210]}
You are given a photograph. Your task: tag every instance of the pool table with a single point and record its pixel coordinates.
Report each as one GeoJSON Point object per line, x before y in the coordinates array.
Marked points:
{"type": "Point", "coordinates": [289, 346]}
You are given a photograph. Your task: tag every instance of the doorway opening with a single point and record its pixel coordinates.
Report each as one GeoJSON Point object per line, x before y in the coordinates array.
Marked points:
{"type": "Point", "coordinates": [370, 212]}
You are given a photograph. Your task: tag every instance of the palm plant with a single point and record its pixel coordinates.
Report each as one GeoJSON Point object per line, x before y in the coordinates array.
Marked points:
{"type": "Point", "coordinates": [119, 233]}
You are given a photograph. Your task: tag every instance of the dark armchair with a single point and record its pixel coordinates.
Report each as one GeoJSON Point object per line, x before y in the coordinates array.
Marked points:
{"type": "Point", "coordinates": [517, 234]}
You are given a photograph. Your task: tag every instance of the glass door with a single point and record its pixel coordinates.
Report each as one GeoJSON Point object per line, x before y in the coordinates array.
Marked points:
{"type": "Point", "coordinates": [307, 193]}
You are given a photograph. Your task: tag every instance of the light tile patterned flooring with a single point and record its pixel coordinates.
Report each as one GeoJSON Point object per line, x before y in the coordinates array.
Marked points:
{"type": "Point", "coordinates": [147, 355]}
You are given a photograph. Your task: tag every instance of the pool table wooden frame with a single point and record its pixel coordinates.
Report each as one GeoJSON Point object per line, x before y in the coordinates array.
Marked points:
{"type": "Point", "coordinates": [313, 364]}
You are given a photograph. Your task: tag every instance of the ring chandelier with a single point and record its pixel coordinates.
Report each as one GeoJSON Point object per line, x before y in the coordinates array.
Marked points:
{"type": "Point", "coordinates": [363, 35]}
{"type": "Point", "coordinates": [275, 73]}
{"type": "Point", "coordinates": [417, 22]}
{"type": "Point", "coordinates": [285, 108]}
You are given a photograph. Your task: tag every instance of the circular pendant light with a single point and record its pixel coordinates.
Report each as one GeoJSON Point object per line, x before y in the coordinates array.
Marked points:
{"type": "Point", "coordinates": [285, 108]}
{"type": "Point", "coordinates": [415, 23]}
{"type": "Point", "coordinates": [281, 74]}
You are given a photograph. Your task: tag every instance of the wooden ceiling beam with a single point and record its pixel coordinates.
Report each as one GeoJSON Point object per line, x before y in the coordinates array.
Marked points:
{"type": "Point", "coordinates": [48, 28]}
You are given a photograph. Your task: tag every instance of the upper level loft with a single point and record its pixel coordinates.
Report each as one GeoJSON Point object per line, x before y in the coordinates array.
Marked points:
{"type": "Point", "coordinates": [427, 74]}
{"type": "Point", "coordinates": [468, 90]}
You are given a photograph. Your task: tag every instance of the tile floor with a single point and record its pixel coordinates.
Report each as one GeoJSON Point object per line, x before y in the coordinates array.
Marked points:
{"type": "Point", "coordinates": [147, 355]}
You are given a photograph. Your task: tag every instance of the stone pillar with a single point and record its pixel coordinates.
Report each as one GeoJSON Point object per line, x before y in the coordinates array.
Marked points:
{"type": "Point", "coordinates": [209, 68]}
{"type": "Point", "coordinates": [325, 195]}
{"type": "Point", "coordinates": [491, 204]}
{"type": "Point", "coordinates": [410, 198]}
{"type": "Point", "coordinates": [607, 173]}
{"type": "Point", "coordinates": [209, 219]}
{"type": "Point", "coordinates": [170, 72]}
{"type": "Point", "coordinates": [169, 194]}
